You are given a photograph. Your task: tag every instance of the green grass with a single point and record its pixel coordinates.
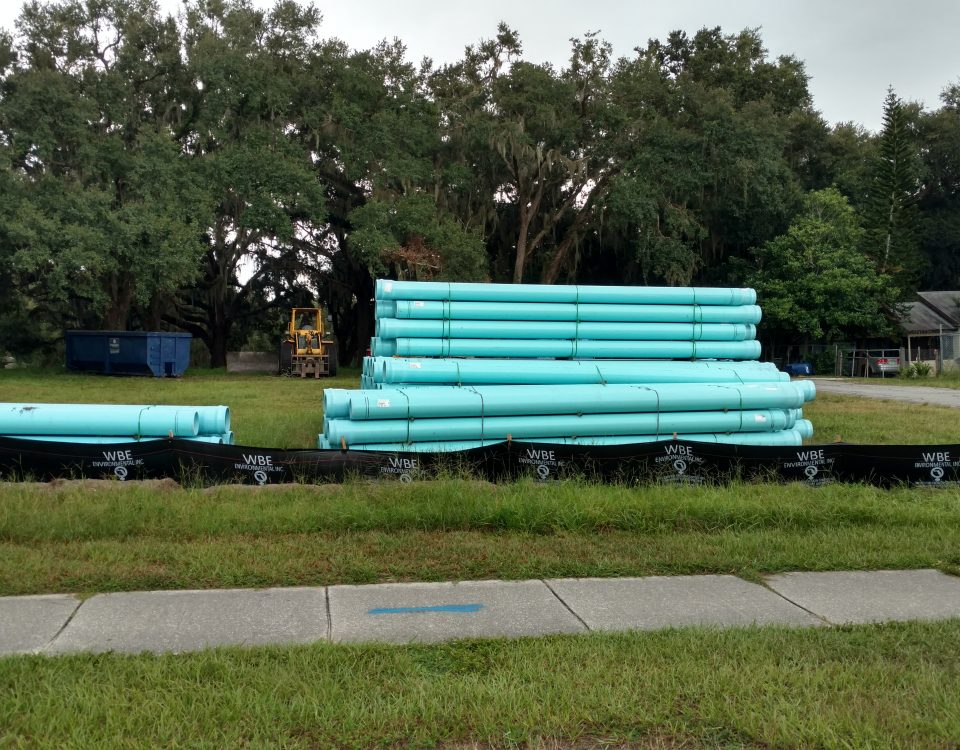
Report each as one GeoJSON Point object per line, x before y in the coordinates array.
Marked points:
{"type": "Point", "coordinates": [871, 686]}
{"type": "Point", "coordinates": [265, 410]}
{"type": "Point", "coordinates": [102, 536]}
{"type": "Point", "coordinates": [870, 420]}
{"type": "Point", "coordinates": [288, 412]}
{"type": "Point", "coordinates": [880, 686]}
{"type": "Point", "coordinates": [947, 380]}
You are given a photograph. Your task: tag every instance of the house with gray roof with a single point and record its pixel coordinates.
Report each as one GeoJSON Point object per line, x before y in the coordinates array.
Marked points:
{"type": "Point", "coordinates": [931, 327]}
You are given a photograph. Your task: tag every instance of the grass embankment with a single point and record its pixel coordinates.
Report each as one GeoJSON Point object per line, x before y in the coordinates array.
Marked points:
{"type": "Point", "coordinates": [103, 536]}
{"type": "Point", "coordinates": [288, 412]}
{"type": "Point", "coordinates": [881, 686]}
{"type": "Point", "coordinates": [870, 420]}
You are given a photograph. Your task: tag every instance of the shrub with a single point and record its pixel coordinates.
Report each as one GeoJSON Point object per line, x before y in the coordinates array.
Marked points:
{"type": "Point", "coordinates": [917, 370]}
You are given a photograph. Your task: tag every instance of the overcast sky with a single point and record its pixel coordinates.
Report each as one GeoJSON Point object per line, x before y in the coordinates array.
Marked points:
{"type": "Point", "coordinates": [853, 49]}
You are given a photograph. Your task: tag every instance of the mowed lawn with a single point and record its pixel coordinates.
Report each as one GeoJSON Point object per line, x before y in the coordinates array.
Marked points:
{"type": "Point", "coordinates": [950, 379]}
{"type": "Point", "coordinates": [104, 536]}
{"type": "Point", "coordinates": [868, 686]}
{"type": "Point", "coordinates": [279, 412]}
{"type": "Point", "coordinates": [266, 410]}
{"type": "Point", "coordinates": [888, 686]}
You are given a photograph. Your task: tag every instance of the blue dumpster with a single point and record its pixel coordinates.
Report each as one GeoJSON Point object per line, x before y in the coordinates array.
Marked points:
{"type": "Point", "coordinates": [129, 352]}
{"type": "Point", "coordinates": [799, 368]}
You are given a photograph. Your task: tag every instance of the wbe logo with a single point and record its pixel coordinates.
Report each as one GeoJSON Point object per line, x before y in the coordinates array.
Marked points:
{"type": "Point", "coordinates": [403, 468]}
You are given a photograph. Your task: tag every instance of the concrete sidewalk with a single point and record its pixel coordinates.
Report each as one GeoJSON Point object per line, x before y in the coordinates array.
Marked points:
{"type": "Point", "coordinates": [180, 621]}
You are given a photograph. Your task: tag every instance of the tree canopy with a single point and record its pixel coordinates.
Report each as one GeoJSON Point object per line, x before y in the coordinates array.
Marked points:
{"type": "Point", "coordinates": [815, 282]}
{"type": "Point", "coordinates": [206, 171]}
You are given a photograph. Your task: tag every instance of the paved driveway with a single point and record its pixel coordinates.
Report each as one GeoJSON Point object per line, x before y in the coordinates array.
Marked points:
{"type": "Point", "coordinates": [914, 394]}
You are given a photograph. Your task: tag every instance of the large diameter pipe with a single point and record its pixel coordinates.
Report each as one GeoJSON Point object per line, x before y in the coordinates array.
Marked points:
{"type": "Point", "coordinates": [516, 400]}
{"type": "Point", "coordinates": [492, 428]}
{"type": "Point", "coordinates": [779, 438]}
{"type": "Point", "coordinates": [533, 348]}
{"type": "Point", "coordinates": [112, 439]}
{"type": "Point", "coordinates": [631, 295]}
{"type": "Point", "coordinates": [214, 420]}
{"type": "Point", "coordinates": [394, 328]}
{"type": "Point", "coordinates": [804, 427]}
{"type": "Point", "coordinates": [550, 371]}
{"type": "Point", "coordinates": [98, 419]}
{"type": "Point", "coordinates": [566, 311]}
{"type": "Point", "coordinates": [336, 403]}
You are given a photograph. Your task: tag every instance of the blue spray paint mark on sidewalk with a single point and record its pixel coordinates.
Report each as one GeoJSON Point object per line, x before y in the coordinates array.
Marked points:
{"type": "Point", "coordinates": [436, 608]}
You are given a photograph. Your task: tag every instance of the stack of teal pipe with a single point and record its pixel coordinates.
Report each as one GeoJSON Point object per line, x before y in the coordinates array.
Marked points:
{"type": "Point", "coordinates": [115, 423]}
{"type": "Point", "coordinates": [434, 319]}
{"type": "Point", "coordinates": [386, 372]}
{"type": "Point", "coordinates": [457, 366]}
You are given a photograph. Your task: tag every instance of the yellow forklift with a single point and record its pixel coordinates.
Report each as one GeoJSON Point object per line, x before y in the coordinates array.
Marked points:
{"type": "Point", "coordinates": [307, 350]}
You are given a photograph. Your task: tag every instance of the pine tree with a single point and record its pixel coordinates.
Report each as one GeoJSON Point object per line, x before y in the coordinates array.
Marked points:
{"type": "Point", "coordinates": [891, 212]}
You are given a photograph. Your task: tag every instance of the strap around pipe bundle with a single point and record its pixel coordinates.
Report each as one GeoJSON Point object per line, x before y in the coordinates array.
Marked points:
{"type": "Point", "coordinates": [603, 380]}
{"type": "Point", "coordinates": [483, 409]}
{"type": "Point", "coordinates": [576, 313]}
{"type": "Point", "coordinates": [409, 418]}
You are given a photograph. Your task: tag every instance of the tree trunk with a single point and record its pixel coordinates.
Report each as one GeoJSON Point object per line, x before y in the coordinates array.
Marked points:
{"type": "Point", "coordinates": [363, 326]}
{"type": "Point", "coordinates": [220, 323]}
{"type": "Point", "coordinates": [349, 295]}
{"type": "Point", "coordinates": [562, 254]}
{"type": "Point", "coordinates": [217, 344]}
{"type": "Point", "coordinates": [522, 233]}
{"type": "Point", "coordinates": [121, 299]}
{"type": "Point", "coordinates": [155, 313]}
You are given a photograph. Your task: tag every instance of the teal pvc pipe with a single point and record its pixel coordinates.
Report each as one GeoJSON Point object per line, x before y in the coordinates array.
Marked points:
{"type": "Point", "coordinates": [520, 427]}
{"type": "Point", "coordinates": [781, 438]}
{"type": "Point", "coordinates": [804, 427]}
{"type": "Point", "coordinates": [336, 402]}
{"type": "Point", "coordinates": [111, 439]}
{"type": "Point", "coordinates": [214, 420]}
{"type": "Point", "coordinates": [564, 311]}
{"type": "Point", "coordinates": [532, 348]}
{"type": "Point", "coordinates": [550, 371]}
{"type": "Point", "coordinates": [394, 328]}
{"type": "Point", "coordinates": [98, 419]}
{"type": "Point", "coordinates": [635, 295]}
{"type": "Point", "coordinates": [516, 400]}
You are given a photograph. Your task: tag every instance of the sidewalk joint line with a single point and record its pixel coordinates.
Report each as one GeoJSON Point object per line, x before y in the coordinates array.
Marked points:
{"type": "Point", "coordinates": [565, 605]}
{"type": "Point", "coordinates": [63, 627]}
{"type": "Point", "coordinates": [326, 596]}
{"type": "Point", "coordinates": [795, 604]}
